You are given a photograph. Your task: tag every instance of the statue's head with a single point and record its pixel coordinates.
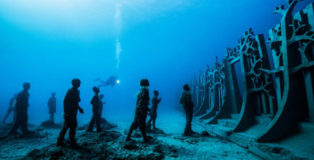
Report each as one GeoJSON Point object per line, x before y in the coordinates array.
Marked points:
{"type": "Point", "coordinates": [96, 90]}
{"type": "Point", "coordinates": [156, 93]}
{"type": "Point", "coordinates": [186, 87]}
{"type": "Point", "coordinates": [144, 83]}
{"type": "Point", "coordinates": [76, 83]}
{"type": "Point", "coordinates": [26, 86]}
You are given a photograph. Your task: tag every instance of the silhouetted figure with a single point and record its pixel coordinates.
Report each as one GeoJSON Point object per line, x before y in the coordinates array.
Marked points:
{"type": "Point", "coordinates": [101, 103]}
{"type": "Point", "coordinates": [141, 111]}
{"type": "Point", "coordinates": [103, 122]}
{"type": "Point", "coordinates": [97, 106]}
{"type": "Point", "coordinates": [186, 101]}
{"type": "Point", "coordinates": [52, 106]}
{"type": "Point", "coordinates": [10, 109]}
{"type": "Point", "coordinates": [111, 81]}
{"type": "Point", "coordinates": [153, 111]}
{"type": "Point", "coordinates": [20, 110]}
{"type": "Point", "coordinates": [71, 105]}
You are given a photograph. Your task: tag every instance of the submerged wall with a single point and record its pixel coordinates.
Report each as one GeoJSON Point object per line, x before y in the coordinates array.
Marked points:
{"type": "Point", "coordinates": [277, 102]}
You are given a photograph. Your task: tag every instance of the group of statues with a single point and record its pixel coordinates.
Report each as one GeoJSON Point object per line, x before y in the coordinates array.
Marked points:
{"type": "Point", "coordinates": [52, 106]}
{"type": "Point", "coordinates": [71, 107]}
{"type": "Point", "coordinates": [142, 110]}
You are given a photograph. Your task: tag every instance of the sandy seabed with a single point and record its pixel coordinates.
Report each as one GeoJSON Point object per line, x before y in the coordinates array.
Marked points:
{"type": "Point", "coordinates": [110, 144]}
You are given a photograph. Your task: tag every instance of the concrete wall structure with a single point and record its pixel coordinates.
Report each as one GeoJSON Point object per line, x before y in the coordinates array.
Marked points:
{"type": "Point", "coordinates": [277, 103]}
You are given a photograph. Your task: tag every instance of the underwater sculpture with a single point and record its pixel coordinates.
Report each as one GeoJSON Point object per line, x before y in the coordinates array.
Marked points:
{"type": "Point", "coordinates": [214, 91]}
{"type": "Point", "coordinates": [187, 103]}
{"type": "Point", "coordinates": [153, 111]}
{"type": "Point", "coordinates": [271, 101]}
{"type": "Point", "coordinates": [202, 101]}
{"type": "Point", "coordinates": [203, 93]}
{"type": "Point", "coordinates": [52, 106]}
{"type": "Point", "coordinates": [20, 111]}
{"type": "Point", "coordinates": [258, 96]}
{"type": "Point", "coordinates": [103, 122]}
{"type": "Point", "coordinates": [10, 109]}
{"type": "Point", "coordinates": [71, 106]}
{"type": "Point", "coordinates": [101, 97]}
{"type": "Point", "coordinates": [97, 107]}
{"type": "Point", "coordinates": [141, 111]}
{"type": "Point", "coordinates": [292, 45]}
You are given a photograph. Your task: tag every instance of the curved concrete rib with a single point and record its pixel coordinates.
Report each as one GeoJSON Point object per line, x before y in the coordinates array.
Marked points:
{"type": "Point", "coordinates": [203, 107]}
{"type": "Point", "coordinates": [232, 98]}
{"type": "Point", "coordinates": [214, 106]}
{"type": "Point", "coordinates": [286, 119]}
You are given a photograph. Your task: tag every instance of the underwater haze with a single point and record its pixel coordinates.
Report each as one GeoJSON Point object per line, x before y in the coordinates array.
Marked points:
{"type": "Point", "coordinates": [50, 42]}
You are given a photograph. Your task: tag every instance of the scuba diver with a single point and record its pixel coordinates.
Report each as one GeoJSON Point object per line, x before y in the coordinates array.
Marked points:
{"type": "Point", "coordinates": [101, 103]}
{"type": "Point", "coordinates": [111, 81]}
{"type": "Point", "coordinates": [20, 110]}
{"type": "Point", "coordinates": [97, 107]}
{"type": "Point", "coordinates": [71, 105]}
{"type": "Point", "coordinates": [10, 109]}
{"type": "Point", "coordinates": [52, 104]}
{"type": "Point", "coordinates": [186, 101]}
{"type": "Point", "coordinates": [141, 111]}
{"type": "Point", "coordinates": [153, 111]}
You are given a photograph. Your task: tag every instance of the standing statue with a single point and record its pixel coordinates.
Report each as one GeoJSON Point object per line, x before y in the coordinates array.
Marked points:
{"type": "Point", "coordinates": [52, 105]}
{"type": "Point", "coordinates": [153, 111]}
{"type": "Point", "coordinates": [10, 109]}
{"type": "Point", "coordinates": [20, 110]}
{"type": "Point", "coordinates": [103, 122]}
{"type": "Point", "coordinates": [186, 101]}
{"type": "Point", "coordinates": [97, 107]}
{"type": "Point", "coordinates": [71, 105]}
{"type": "Point", "coordinates": [141, 111]}
{"type": "Point", "coordinates": [102, 102]}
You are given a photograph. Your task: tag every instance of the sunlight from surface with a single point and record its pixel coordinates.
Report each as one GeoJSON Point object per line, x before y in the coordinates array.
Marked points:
{"type": "Point", "coordinates": [83, 21]}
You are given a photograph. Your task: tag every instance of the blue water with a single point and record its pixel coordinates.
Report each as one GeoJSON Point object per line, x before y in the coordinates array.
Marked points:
{"type": "Point", "coordinates": [47, 43]}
